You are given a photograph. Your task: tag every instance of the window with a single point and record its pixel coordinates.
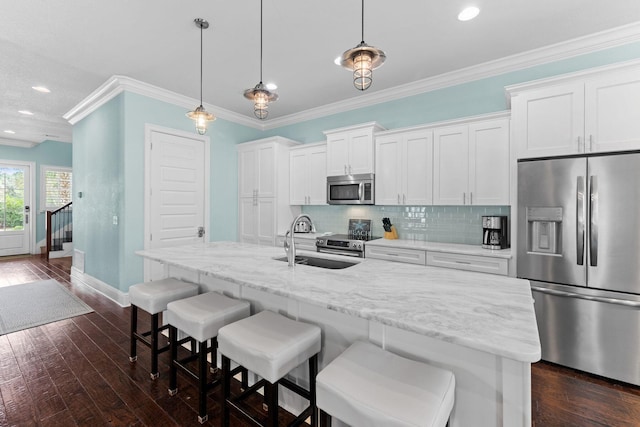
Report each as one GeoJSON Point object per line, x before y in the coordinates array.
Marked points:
{"type": "Point", "coordinates": [55, 187]}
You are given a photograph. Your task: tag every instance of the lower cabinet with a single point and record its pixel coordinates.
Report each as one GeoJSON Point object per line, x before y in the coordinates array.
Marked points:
{"type": "Point", "coordinates": [301, 243]}
{"type": "Point", "coordinates": [482, 264]}
{"type": "Point", "coordinates": [411, 256]}
{"type": "Point", "coordinates": [479, 263]}
{"type": "Point", "coordinates": [257, 220]}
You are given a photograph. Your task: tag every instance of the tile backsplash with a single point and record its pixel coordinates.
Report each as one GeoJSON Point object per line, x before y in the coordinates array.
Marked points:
{"type": "Point", "coordinates": [447, 224]}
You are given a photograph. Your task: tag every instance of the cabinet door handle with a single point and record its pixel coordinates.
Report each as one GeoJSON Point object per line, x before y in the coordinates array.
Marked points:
{"type": "Point", "coordinates": [464, 198]}
{"type": "Point", "coordinates": [470, 197]}
{"type": "Point", "coordinates": [345, 169]}
{"type": "Point", "coordinates": [591, 143]}
{"type": "Point", "coordinates": [580, 145]}
{"type": "Point", "coordinates": [404, 199]}
{"type": "Point", "coordinates": [349, 169]}
{"type": "Point", "coordinates": [398, 198]}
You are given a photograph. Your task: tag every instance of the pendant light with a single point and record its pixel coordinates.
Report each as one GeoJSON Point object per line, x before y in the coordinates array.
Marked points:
{"type": "Point", "coordinates": [200, 115]}
{"type": "Point", "coordinates": [260, 95]}
{"type": "Point", "coordinates": [362, 60]}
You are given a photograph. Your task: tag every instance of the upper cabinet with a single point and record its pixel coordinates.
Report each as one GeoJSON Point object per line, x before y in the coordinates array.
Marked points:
{"type": "Point", "coordinates": [589, 112]}
{"type": "Point", "coordinates": [350, 150]}
{"type": "Point", "coordinates": [404, 174]}
{"type": "Point", "coordinates": [308, 166]}
{"type": "Point", "coordinates": [471, 163]}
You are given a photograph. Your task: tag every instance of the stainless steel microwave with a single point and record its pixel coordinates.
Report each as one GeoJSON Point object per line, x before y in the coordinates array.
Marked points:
{"type": "Point", "coordinates": [351, 189]}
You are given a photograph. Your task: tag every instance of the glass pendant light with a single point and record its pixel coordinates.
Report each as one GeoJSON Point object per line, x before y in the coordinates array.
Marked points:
{"type": "Point", "coordinates": [260, 95]}
{"type": "Point", "coordinates": [200, 115]}
{"type": "Point", "coordinates": [362, 60]}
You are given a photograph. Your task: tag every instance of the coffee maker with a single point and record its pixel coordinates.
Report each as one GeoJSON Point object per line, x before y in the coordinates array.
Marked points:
{"type": "Point", "coordinates": [494, 232]}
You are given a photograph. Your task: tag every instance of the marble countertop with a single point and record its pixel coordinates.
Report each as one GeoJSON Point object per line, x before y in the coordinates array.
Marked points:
{"type": "Point", "coordinates": [486, 312]}
{"type": "Point", "coordinates": [455, 248]}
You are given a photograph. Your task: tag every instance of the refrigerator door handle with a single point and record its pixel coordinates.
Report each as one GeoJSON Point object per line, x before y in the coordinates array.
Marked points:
{"type": "Point", "coordinates": [580, 221]}
{"type": "Point", "coordinates": [593, 226]}
{"type": "Point", "coordinates": [617, 301]}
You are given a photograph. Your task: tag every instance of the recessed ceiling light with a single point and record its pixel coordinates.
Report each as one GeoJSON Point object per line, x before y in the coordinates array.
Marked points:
{"type": "Point", "coordinates": [40, 89]}
{"type": "Point", "coordinates": [9, 131]}
{"type": "Point", "coordinates": [469, 13]}
{"type": "Point", "coordinates": [272, 86]}
{"type": "Point", "coordinates": [26, 112]}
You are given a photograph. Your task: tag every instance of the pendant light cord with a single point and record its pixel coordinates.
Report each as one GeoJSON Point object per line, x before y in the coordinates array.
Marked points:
{"type": "Point", "coordinates": [362, 21]}
{"type": "Point", "coordinates": [201, 25]}
{"type": "Point", "coordinates": [260, 41]}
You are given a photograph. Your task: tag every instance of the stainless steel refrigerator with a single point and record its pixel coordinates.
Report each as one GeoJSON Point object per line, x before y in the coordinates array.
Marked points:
{"type": "Point", "coordinates": [579, 245]}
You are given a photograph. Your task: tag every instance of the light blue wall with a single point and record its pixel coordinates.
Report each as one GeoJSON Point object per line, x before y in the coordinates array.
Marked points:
{"type": "Point", "coordinates": [49, 153]}
{"type": "Point", "coordinates": [98, 154]}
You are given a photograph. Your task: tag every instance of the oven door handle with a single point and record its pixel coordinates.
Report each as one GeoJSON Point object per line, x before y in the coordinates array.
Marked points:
{"type": "Point", "coordinates": [338, 252]}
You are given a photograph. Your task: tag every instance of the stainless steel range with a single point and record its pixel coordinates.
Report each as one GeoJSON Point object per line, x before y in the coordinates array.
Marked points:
{"type": "Point", "coordinates": [350, 244]}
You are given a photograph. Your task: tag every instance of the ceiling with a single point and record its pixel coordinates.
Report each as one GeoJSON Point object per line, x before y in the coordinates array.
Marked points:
{"type": "Point", "coordinates": [72, 47]}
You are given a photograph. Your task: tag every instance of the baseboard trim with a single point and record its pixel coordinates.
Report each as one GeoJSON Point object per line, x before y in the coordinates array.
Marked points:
{"type": "Point", "coordinates": [115, 295]}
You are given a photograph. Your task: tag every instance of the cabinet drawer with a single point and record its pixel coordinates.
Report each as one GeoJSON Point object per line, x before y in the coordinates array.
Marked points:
{"type": "Point", "coordinates": [411, 256]}
{"type": "Point", "coordinates": [469, 262]}
{"type": "Point", "coordinates": [301, 244]}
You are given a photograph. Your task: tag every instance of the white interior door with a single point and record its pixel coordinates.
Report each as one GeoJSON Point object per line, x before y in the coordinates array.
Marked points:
{"type": "Point", "coordinates": [177, 191]}
{"type": "Point", "coordinates": [15, 207]}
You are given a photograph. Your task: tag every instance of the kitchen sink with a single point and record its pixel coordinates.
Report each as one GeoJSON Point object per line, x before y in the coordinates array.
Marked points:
{"type": "Point", "coordinates": [332, 264]}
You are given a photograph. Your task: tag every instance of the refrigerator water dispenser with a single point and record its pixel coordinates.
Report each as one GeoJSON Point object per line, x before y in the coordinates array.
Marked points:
{"type": "Point", "coordinates": [544, 230]}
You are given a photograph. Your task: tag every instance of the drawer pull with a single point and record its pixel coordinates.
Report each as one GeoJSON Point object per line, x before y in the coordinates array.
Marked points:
{"type": "Point", "coordinates": [463, 262]}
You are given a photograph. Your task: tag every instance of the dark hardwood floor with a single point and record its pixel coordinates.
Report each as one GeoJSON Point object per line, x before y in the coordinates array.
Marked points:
{"type": "Point", "coordinates": [77, 372]}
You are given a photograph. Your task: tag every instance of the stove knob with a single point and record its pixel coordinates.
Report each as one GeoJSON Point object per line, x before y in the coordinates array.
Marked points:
{"type": "Point", "coordinates": [359, 246]}
{"type": "Point", "coordinates": [319, 242]}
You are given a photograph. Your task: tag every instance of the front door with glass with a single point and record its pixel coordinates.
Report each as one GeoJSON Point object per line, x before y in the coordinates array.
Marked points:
{"type": "Point", "coordinates": [15, 215]}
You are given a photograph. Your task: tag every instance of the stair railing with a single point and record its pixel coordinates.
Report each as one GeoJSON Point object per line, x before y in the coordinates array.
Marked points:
{"type": "Point", "coordinates": [59, 228]}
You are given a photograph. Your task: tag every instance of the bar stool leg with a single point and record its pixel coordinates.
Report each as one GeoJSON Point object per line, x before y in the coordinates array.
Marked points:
{"type": "Point", "coordinates": [313, 371]}
{"type": "Point", "coordinates": [202, 383]}
{"type": "Point", "coordinates": [154, 347]}
{"type": "Point", "coordinates": [271, 399]}
{"type": "Point", "coordinates": [173, 369]}
{"type": "Point", "coordinates": [226, 389]}
{"type": "Point", "coordinates": [325, 419]}
{"type": "Point", "coordinates": [133, 355]}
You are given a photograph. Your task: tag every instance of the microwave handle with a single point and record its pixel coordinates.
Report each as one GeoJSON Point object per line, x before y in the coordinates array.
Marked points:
{"type": "Point", "coordinates": [360, 191]}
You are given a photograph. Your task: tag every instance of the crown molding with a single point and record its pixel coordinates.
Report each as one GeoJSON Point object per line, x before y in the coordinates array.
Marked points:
{"type": "Point", "coordinates": [118, 84]}
{"type": "Point", "coordinates": [579, 46]}
{"type": "Point", "coordinates": [18, 143]}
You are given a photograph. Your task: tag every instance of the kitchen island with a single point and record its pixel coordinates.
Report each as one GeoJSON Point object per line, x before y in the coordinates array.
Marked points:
{"type": "Point", "coordinates": [480, 326]}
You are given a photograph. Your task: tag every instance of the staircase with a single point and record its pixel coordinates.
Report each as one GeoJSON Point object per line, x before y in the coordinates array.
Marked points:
{"type": "Point", "coordinates": [59, 232]}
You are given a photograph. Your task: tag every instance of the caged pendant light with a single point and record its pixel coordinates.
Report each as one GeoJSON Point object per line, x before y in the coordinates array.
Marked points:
{"type": "Point", "coordinates": [260, 95]}
{"type": "Point", "coordinates": [362, 60]}
{"type": "Point", "coordinates": [200, 115]}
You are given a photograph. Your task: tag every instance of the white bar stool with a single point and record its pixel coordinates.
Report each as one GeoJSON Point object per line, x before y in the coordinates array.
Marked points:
{"type": "Point", "coordinates": [270, 345]}
{"type": "Point", "coordinates": [200, 317]}
{"type": "Point", "coordinates": [367, 386]}
{"type": "Point", "coordinates": [153, 298]}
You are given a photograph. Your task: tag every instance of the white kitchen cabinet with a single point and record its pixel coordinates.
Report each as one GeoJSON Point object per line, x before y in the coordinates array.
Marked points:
{"type": "Point", "coordinates": [263, 190]}
{"type": "Point", "coordinates": [586, 112]}
{"type": "Point", "coordinates": [308, 181]}
{"type": "Point", "coordinates": [350, 150]}
{"type": "Point", "coordinates": [404, 168]}
{"type": "Point", "coordinates": [411, 256]}
{"type": "Point", "coordinates": [483, 264]}
{"type": "Point", "coordinates": [471, 163]}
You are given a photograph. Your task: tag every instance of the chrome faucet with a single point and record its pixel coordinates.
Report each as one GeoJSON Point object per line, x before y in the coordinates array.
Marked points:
{"type": "Point", "coordinates": [290, 248]}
